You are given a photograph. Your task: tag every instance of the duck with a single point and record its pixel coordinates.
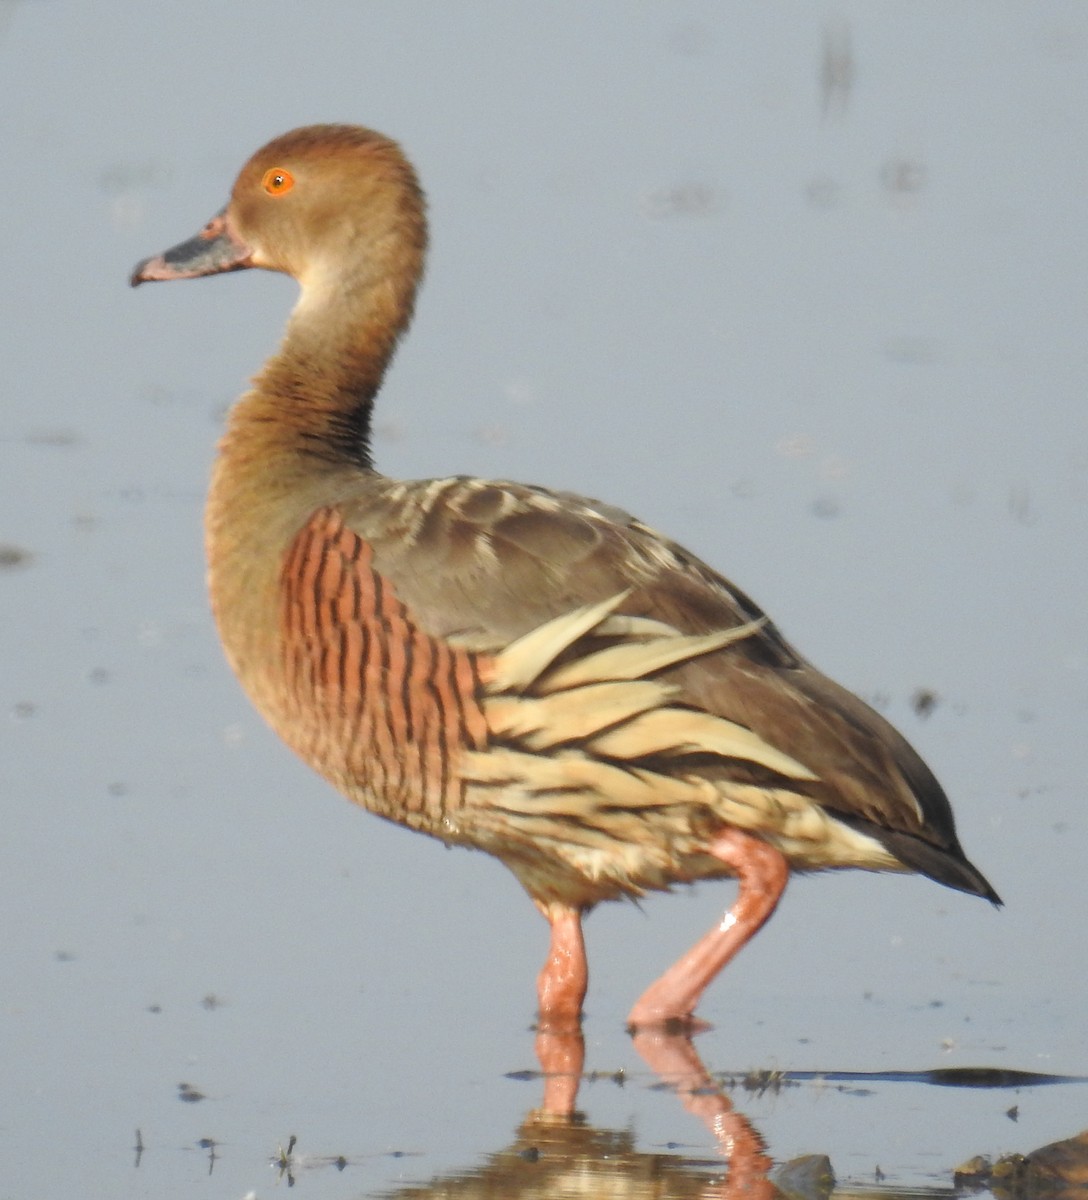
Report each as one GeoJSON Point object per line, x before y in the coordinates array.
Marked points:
{"type": "Point", "coordinates": [527, 672]}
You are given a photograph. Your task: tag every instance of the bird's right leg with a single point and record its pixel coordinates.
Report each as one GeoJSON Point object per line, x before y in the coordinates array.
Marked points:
{"type": "Point", "coordinates": [561, 988]}
{"type": "Point", "coordinates": [561, 984]}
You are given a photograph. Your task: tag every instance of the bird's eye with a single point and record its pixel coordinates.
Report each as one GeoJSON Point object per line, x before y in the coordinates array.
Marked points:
{"type": "Point", "coordinates": [277, 181]}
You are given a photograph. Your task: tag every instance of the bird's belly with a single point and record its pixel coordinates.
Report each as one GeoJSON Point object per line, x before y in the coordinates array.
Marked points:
{"type": "Point", "coordinates": [578, 848]}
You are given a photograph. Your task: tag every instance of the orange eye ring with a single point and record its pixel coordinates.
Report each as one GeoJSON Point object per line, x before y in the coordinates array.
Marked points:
{"type": "Point", "coordinates": [277, 181]}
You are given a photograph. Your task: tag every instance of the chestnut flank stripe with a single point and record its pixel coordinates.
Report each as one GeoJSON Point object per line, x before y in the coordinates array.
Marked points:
{"type": "Point", "coordinates": [375, 700]}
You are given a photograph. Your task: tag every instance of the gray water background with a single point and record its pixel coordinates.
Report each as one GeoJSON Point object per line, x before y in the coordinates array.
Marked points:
{"type": "Point", "coordinates": [803, 285]}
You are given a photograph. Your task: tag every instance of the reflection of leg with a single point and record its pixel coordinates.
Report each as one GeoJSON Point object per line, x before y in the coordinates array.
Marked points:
{"type": "Point", "coordinates": [673, 1058]}
{"type": "Point", "coordinates": [561, 1058]}
{"type": "Point", "coordinates": [762, 872]}
{"type": "Point", "coordinates": [561, 985]}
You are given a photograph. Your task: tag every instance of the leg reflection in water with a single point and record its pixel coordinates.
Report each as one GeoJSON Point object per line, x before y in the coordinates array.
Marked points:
{"type": "Point", "coordinates": [673, 1058]}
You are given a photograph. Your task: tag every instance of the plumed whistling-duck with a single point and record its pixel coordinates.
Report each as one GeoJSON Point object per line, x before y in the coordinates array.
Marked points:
{"type": "Point", "coordinates": [530, 673]}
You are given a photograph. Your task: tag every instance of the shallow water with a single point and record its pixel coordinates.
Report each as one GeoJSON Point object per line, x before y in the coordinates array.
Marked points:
{"type": "Point", "coordinates": [802, 285]}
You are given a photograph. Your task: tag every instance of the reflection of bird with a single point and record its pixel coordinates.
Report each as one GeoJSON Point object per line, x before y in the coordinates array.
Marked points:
{"type": "Point", "coordinates": [530, 673]}
{"type": "Point", "coordinates": [570, 1158]}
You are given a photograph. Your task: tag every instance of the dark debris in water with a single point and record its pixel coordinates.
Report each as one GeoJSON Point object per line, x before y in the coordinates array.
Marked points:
{"type": "Point", "coordinates": [997, 1078]}
{"type": "Point", "coordinates": [809, 1177]}
{"type": "Point", "coordinates": [903, 176]}
{"type": "Point", "coordinates": [53, 437]}
{"type": "Point", "coordinates": [209, 1144]}
{"type": "Point", "coordinates": [289, 1164]}
{"type": "Point", "coordinates": [757, 1083]}
{"type": "Point", "coordinates": [13, 557]}
{"type": "Point", "coordinates": [529, 1074]}
{"type": "Point", "coordinates": [690, 199]}
{"type": "Point", "coordinates": [826, 507]}
{"type": "Point", "coordinates": [1058, 1171]}
{"type": "Point", "coordinates": [838, 69]}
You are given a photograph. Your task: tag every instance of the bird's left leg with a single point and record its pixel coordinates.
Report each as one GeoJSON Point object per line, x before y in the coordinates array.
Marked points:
{"type": "Point", "coordinates": [762, 872]}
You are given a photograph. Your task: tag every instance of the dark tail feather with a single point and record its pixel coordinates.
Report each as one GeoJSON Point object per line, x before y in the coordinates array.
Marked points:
{"type": "Point", "coordinates": [948, 865]}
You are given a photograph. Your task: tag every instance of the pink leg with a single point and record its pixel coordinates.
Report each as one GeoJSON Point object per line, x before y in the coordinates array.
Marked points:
{"type": "Point", "coordinates": [561, 985]}
{"type": "Point", "coordinates": [762, 872]}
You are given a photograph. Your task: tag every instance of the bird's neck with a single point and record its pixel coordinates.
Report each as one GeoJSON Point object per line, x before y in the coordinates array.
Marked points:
{"type": "Point", "coordinates": [309, 410]}
{"type": "Point", "coordinates": [298, 441]}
